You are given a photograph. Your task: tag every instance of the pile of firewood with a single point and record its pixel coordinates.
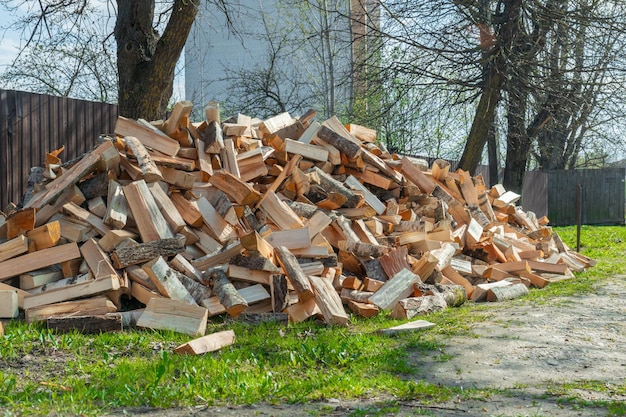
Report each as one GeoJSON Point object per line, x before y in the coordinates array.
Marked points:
{"type": "Point", "coordinates": [284, 215]}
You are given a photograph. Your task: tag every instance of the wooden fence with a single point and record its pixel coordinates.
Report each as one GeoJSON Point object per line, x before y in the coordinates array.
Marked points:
{"type": "Point", "coordinates": [33, 124]}
{"type": "Point", "coordinates": [555, 194]}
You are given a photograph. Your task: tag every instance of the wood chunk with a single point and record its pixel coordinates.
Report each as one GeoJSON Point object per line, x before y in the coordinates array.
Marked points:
{"type": "Point", "coordinates": [372, 285]}
{"type": "Point", "coordinates": [87, 288]}
{"type": "Point", "coordinates": [278, 292]}
{"type": "Point", "coordinates": [408, 327]}
{"type": "Point", "coordinates": [280, 213]}
{"type": "Point", "coordinates": [20, 293]}
{"type": "Point", "coordinates": [123, 257]}
{"type": "Point", "coordinates": [40, 277]}
{"type": "Point", "coordinates": [399, 287]}
{"type": "Point", "coordinates": [8, 304]}
{"type": "Point", "coordinates": [235, 188]}
{"type": "Point", "coordinates": [86, 324]}
{"type": "Point", "coordinates": [95, 306]}
{"type": "Point", "coordinates": [308, 151]}
{"type": "Point", "coordinates": [113, 238]}
{"type": "Point", "coordinates": [181, 317]}
{"type": "Point", "coordinates": [294, 272]}
{"type": "Point", "coordinates": [416, 176]}
{"type": "Point", "coordinates": [302, 310]}
{"type": "Point", "coordinates": [116, 213]}
{"type": "Point", "coordinates": [414, 306]}
{"type": "Point", "coordinates": [97, 260]}
{"type": "Point", "coordinates": [144, 294]}
{"type": "Point", "coordinates": [345, 145]}
{"type": "Point", "coordinates": [291, 239]}
{"type": "Point", "coordinates": [81, 214]}
{"type": "Point", "coordinates": [45, 236]}
{"type": "Point", "coordinates": [330, 185]}
{"type": "Point", "coordinates": [197, 290]}
{"type": "Point", "coordinates": [150, 137]}
{"type": "Point", "coordinates": [97, 206]}
{"type": "Point", "coordinates": [227, 294]}
{"type": "Point", "coordinates": [178, 178]}
{"type": "Point", "coordinates": [20, 222]}
{"type": "Point", "coordinates": [363, 309]}
{"type": "Point", "coordinates": [248, 275]}
{"type": "Point", "coordinates": [167, 207]}
{"type": "Point", "coordinates": [149, 171]}
{"type": "Point", "coordinates": [328, 301]}
{"type": "Point", "coordinates": [150, 222]}
{"type": "Point", "coordinates": [187, 210]}
{"type": "Point", "coordinates": [13, 248]}
{"type": "Point", "coordinates": [208, 343]}
{"type": "Point", "coordinates": [395, 261]}
{"type": "Point", "coordinates": [220, 229]}
{"type": "Point", "coordinates": [221, 256]}
{"type": "Point", "coordinates": [38, 260]}
{"type": "Point", "coordinates": [182, 265]}
{"type": "Point", "coordinates": [508, 292]}
{"type": "Point", "coordinates": [176, 124]}
{"type": "Point", "coordinates": [166, 281]}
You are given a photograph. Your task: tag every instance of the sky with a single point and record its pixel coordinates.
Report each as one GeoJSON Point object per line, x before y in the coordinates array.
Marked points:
{"type": "Point", "coordinates": [9, 40]}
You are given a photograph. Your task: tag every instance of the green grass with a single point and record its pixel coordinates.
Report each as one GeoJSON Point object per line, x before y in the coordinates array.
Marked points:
{"type": "Point", "coordinates": [42, 372]}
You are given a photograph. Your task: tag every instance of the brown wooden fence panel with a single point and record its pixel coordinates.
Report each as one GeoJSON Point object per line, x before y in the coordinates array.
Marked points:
{"type": "Point", "coordinates": [33, 124]}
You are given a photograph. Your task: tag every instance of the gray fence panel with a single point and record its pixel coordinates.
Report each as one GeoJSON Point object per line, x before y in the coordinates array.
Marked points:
{"type": "Point", "coordinates": [33, 124]}
{"type": "Point", "coordinates": [555, 194]}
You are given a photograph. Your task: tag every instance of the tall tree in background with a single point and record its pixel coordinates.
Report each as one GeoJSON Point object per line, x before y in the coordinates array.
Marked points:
{"type": "Point", "coordinates": [149, 40]}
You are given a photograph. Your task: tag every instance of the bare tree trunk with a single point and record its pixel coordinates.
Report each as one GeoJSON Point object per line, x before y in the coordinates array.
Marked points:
{"type": "Point", "coordinates": [491, 93]}
{"type": "Point", "coordinates": [145, 60]}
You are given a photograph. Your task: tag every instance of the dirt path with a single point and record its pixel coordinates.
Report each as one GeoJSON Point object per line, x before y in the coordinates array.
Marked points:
{"type": "Point", "coordinates": [524, 347]}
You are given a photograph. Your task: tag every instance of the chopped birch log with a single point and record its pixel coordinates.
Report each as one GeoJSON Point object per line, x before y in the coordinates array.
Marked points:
{"type": "Point", "coordinates": [227, 294]}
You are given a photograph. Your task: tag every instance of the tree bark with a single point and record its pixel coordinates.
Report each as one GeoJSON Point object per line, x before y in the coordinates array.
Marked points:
{"type": "Point", "coordinates": [496, 70]}
{"type": "Point", "coordinates": [145, 60]}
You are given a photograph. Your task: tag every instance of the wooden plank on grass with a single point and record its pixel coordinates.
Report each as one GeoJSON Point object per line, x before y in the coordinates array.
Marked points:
{"type": "Point", "coordinates": [208, 343]}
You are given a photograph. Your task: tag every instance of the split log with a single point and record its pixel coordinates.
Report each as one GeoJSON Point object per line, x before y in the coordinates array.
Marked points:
{"type": "Point", "coordinates": [87, 288]}
{"type": "Point", "coordinates": [227, 294]}
{"type": "Point", "coordinates": [208, 343]}
{"type": "Point", "coordinates": [95, 306]}
{"type": "Point", "coordinates": [508, 292]}
{"type": "Point", "coordinates": [348, 147]}
{"type": "Point", "coordinates": [13, 248]}
{"type": "Point", "coordinates": [148, 135]}
{"type": "Point", "coordinates": [328, 301]}
{"type": "Point", "coordinates": [414, 306]}
{"type": "Point", "coordinates": [363, 309]}
{"type": "Point", "coordinates": [150, 222]}
{"type": "Point", "coordinates": [294, 272]}
{"type": "Point", "coordinates": [166, 280]}
{"type": "Point", "coordinates": [150, 172]}
{"type": "Point", "coordinates": [143, 252]}
{"type": "Point", "coordinates": [399, 287]}
{"type": "Point", "coordinates": [331, 185]}
{"type": "Point", "coordinates": [37, 260]}
{"type": "Point", "coordinates": [8, 304]}
{"type": "Point", "coordinates": [116, 214]}
{"type": "Point", "coordinates": [278, 292]}
{"type": "Point", "coordinates": [166, 314]}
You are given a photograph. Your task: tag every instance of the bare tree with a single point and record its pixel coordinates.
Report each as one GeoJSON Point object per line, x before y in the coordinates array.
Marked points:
{"type": "Point", "coordinates": [149, 38]}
